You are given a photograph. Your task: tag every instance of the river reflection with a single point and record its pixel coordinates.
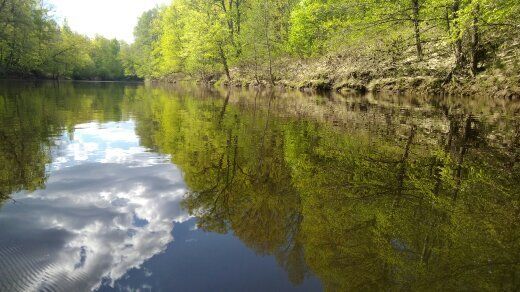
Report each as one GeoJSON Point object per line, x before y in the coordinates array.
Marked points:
{"type": "Point", "coordinates": [107, 207]}
{"type": "Point", "coordinates": [126, 187]}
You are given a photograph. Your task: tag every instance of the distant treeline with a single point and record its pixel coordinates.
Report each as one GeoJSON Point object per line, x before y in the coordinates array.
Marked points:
{"type": "Point", "coordinates": [211, 38]}
{"type": "Point", "coordinates": [33, 44]}
{"type": "Point", "coordinates": [205, 37]}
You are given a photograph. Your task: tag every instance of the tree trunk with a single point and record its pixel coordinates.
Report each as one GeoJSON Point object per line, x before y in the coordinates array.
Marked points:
{"type": "Point", "coordinates": [417, 29]}
{"type": "Point", "coordinates": [458, 38]}
{"type": "Point", "coordinates": [448, 20]}
{"type": "Point", "coordinates": [239, 17]}
{"type": "Point", "coordinates": [425, 248]}
{"type": "Point", "coordinates": [401, 172]}
{"type": "Point", "coordinates": [268, 42]}
{"type": "Point", "coordinates": [475, 38]}
{"type": "Point", "coordinates": [256, 63]}
{"type": "Point", "coordinates": [462, 153]}
{"type": "Point", "coordinates": [224, 107]}
{"type": "Point", "coordinates": [223, 59]}
{"type": "Point", "coordinates": [230, 22]}
{"type": "Point", "coordinates": [238, 28]}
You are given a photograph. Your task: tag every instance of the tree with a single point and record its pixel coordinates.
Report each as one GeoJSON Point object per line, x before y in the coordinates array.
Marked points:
{"type": "Point", "coordinates": [146, 36]}
{"type": "Point", "coordinates": [32, 43]}
{"type": "Point", "coordinates": [105, 56]}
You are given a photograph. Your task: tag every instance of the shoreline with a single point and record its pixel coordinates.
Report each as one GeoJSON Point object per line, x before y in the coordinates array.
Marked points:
{"type": "Point", "coordinates": [353, 82]}
{"type": "Point", "coordinates": [344, 77]}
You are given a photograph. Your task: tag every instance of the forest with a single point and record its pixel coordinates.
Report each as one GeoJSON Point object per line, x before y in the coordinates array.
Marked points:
{"type": "Point", "coordinates": [322, 44]}
{"type": "Point", "coordinates": [33, 44]}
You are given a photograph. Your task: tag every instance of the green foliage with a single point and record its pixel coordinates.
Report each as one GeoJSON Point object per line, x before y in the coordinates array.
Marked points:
{"type": "Point", "coordinates": [204, 38]}
{"type": "Point", "coordinates": [313, 24]}
{"type": "Point", "coordinates": [68, 56]}
{"type": "Point", "coordinates": [143, 47]}
{"type": "Point", "coordinates": [210, 38]}
{"type": "Point", "coordinates": [33, 44]}
{"type": "Point", "coordinates": [105, 56]}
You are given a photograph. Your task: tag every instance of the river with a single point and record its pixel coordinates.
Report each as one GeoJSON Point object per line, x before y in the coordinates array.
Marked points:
{"type": "Point", "coordinates": [133, 187]}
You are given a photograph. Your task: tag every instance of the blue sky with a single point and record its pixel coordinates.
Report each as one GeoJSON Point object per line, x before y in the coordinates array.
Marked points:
{"type": "Point", "coordinates": [109, 18]}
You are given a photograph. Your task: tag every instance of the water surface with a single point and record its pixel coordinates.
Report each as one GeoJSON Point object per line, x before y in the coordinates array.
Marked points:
{"type": "Point", "coordinates": [127, 187]}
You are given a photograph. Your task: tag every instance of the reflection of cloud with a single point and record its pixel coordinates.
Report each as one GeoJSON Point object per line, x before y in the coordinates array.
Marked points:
{"type": "Point", "coordinates": [107, 143]}
{"type": "Point", "coordinates": [104, 211]}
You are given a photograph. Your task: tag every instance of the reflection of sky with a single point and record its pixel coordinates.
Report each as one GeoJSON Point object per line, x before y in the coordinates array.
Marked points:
{"type": "Point", "coordinates": [106, 143]}
{"type": "Point", "coordinates": [201, 261]}
{"type": "Point", "coordinates": [106, 221]}
{"type": "Point", "coordinates": [108, 206]}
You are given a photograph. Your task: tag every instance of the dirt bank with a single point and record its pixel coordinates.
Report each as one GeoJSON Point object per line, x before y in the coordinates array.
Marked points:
{"type": "Point", "coordinates": [343, 75]}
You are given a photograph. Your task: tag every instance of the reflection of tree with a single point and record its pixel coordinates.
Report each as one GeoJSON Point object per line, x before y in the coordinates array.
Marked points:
{"type": "Point", "coordinates": [431, 203]}
{"type": "Point", "coordinates": [22, 151]}
{"type": "Point", "coordinates": [33, 115]}
{"type": "Point", "coordinates": [428, 240]}
{"type": "Point", "coordinates": [235, 168]}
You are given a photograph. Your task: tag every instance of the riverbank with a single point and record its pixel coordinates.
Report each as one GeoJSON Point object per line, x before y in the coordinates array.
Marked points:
{"type": "Point", "coordinates": [36, 77]}
{"type": "Point", "coordinates": [346, 75]}
{"type": "Point", "coordinates": [354, 73]}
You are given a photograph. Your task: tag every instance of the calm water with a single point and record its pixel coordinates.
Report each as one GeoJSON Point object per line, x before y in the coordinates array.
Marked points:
{"type": "Point", "coordinates": [126, 187]}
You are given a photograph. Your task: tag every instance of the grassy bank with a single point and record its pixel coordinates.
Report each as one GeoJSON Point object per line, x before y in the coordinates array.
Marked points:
{"type": "Point", "coordinates": [372, 71]}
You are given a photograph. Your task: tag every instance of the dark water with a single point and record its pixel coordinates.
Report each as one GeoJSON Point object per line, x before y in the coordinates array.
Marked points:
{"type": "Point", "coordinates": [125, 187]}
